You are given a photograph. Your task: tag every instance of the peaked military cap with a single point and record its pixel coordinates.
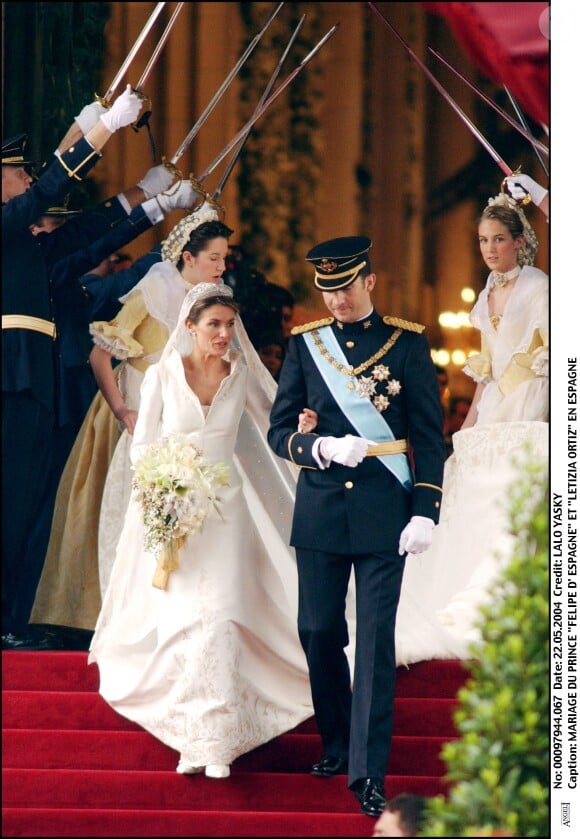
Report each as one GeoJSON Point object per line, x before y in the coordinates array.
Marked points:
{"type": "Point", "coordinates": [61, 212]}
{"type": "Point", "coordinates": [15, 151]}
{"type": "Point", "coordinates": [338, 262]}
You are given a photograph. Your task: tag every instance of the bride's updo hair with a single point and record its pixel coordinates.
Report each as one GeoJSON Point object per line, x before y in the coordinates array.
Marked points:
{"type": "Point", "coordinates": [199, 307]}
{"type": "Point", "coordinates": [506, 211]}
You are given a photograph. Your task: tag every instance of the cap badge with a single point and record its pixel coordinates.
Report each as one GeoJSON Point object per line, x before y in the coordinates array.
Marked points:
{"type": "Point", "coordinates": [328, 266]}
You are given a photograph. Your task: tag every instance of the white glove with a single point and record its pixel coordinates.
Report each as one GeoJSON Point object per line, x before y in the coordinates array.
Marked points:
{"type": "Point", "coordinates": [417, 535]}
{"type": "Point", "coordinates": [520, 185]}
{"type": "Point", "coordinates": [124, 111]}
{"type": "Point", "coordinates": [183, 198]}
{"type": "Point", "coordinates": [156, 180]}
{"type": "Point", "coordinates": [349, 451]}
{"type": "Point", "coordinates": [89, 116]}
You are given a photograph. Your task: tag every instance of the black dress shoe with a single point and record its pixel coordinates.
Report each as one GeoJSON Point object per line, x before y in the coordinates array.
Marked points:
{"type": "Point", "coordinates": [370, 793]}
{"type": "Point", "coordinates": [330, 766]}
{"type": "Point", "coordinates": [30, 640]}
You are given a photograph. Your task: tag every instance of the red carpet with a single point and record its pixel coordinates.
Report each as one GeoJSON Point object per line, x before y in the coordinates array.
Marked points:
{"type": "Point", "coordinates": [73, 767]}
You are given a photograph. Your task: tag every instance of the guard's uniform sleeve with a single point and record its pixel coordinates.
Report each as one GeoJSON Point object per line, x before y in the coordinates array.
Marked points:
{"type": "Point", "coordinates": [55, 183]}
{"type": "Point", "coordinates": [425, 421]}
{"type": "Point", "coordinates": [104, 292]}
{"type": "Point", "coordinates": [83, 259]}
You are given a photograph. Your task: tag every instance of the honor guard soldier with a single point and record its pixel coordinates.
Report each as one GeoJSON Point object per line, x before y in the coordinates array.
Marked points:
{"type": "Point", "coordinates": [372, 389]}
{"type": "Point", "coordinates": [28, 341]}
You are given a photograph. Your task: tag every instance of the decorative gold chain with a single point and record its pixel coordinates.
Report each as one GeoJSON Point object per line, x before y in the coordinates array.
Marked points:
{"type": "Point", "coordinates": [354, 371]}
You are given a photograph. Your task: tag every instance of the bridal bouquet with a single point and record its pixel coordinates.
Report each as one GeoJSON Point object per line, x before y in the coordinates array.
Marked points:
{"type": "Point", "coordinates": [176, 489]}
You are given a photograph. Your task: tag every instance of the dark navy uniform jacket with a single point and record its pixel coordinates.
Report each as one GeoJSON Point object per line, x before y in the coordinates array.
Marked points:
{"type": "Point", "coordinates": [365, 508]}
{"type": "Point", "coordinates": [27, 355]}
{"type": "Point", "coordinates": [79, 300]}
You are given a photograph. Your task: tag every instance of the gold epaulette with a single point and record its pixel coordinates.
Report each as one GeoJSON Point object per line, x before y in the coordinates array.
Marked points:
{"type": "Point", "coordinates": [314, 324]}
{"type": "Point", "coordinates": [403, 324]}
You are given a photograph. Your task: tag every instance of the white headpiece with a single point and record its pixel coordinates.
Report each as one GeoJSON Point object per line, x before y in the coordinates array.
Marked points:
{"type": "Point", "coordinates": [527, 252]}
{"type": "Point", "coordinates": [180, 338]}
{"type": "Point", "coordinates": [173, 246]}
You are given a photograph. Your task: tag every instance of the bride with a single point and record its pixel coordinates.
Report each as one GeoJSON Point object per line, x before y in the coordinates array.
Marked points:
{"type": "Point", "coordinates": [211, 665]}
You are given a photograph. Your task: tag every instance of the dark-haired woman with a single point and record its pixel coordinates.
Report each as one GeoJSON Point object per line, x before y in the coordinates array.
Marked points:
{"type": "Point", "coordinates": [211, 664]}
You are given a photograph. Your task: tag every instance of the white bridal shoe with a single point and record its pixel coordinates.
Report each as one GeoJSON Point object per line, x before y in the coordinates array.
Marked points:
{"type": "Point", "coordinates": [185, 768]}
{"type": "Point", "coordinates": [215, 770]}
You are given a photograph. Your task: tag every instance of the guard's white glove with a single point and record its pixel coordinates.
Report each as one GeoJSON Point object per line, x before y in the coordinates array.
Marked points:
{"type": "Point", "coordinates": [124, 111]}
{"type": "Point", "coordinates": [520, 185]}
{"type": "Point", "coordinates": [349, 451]}
{"type": "Point", "coordinates": [89, 116]}
{"type": "Point", "coordinates": [417, 536]}
{"type": "Point", "coordinates": [156, 180]}
{"type": "Point", "coordinates": [182, 198]}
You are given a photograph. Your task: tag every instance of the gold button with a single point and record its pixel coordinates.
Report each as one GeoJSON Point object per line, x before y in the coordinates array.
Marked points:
{"type": "Point", "coordinates": [350, 344]}
{"type": "Point", "coordinates": [300, 449]}
{"type": "Point", "coordinates": [349, 484]}
{"type": "Point", "coordinates": [437, 504]}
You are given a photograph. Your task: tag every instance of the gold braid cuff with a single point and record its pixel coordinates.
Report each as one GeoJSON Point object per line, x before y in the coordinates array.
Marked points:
{"type": "Point", "coordinates": [430, 486]}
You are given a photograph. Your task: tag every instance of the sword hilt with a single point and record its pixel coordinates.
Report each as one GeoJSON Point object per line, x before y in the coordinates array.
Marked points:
{"type": "Point", "coordinates": [102, 101]}
{"type": "Point", "coordinates": [527, 197]}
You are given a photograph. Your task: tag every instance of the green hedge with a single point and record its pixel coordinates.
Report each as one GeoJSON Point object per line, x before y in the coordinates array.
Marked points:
{"type": "Point", "coordinates": [498, 769]}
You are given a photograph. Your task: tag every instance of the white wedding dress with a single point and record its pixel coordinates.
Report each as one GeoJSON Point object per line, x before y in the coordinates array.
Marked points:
{"type": "Point", "coordinates": [444, 588]}
{"type": "Point", "coordinates": [212, 665]}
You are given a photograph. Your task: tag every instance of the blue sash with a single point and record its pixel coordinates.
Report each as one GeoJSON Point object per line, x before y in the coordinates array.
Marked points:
{"type": "Point", "coordinates": [360, 412]}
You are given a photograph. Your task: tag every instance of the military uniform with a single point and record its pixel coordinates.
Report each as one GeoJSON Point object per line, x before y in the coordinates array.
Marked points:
{"type": "Point", "coordinates": [28, 367]}
{"type": "Point", "coordinates": [348, 517]}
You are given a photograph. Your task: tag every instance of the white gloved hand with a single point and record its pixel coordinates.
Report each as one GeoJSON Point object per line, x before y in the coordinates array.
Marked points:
{"type": "Point", "coordinates": [124, 111]}
{"type": "Point", "coordinates": [417, 535]}
{"type": "Point", "coordinates": [349, 451]}
{"type": "Point", "coordinates": [156, 180]}
{"type": "Point", "coordinates": [89, 116]}
{"type": "Point", "coordinates": [183, 198]}
{"type": "Point", "coordinates": [520, 185]}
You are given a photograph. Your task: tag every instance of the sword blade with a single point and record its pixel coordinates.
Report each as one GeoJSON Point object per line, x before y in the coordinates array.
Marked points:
{"type": "Point", "coordinates": [224, 86]}
{"type": "Point", "coordinates": [525, 126]}
{"type": "Point", "coordinates": [269, 101]}
{"type": "Point", "coordinates": [133, 51]}
{"type": "Point", "coordinates": [157, 51]}
{"type": "Point", "coordinates": [460, 113]}
{"type": "Point", "coordinates": [263, 98]}
{"type": "Point", "coordinates": [523, 129]}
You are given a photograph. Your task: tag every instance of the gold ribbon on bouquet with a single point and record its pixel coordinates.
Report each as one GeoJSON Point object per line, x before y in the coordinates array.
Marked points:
{"type": "Point", "coordinates": [168, 561]}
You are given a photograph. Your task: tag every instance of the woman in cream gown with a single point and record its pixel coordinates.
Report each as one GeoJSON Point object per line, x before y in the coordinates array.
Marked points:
{"type": "Point", "coordinates": [506, 426]}
{"type": "Point", "coordinates": [211, 665]}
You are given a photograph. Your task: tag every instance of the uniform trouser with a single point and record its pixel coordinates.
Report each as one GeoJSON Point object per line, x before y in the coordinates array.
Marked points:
{"type": "Point", "coordinates": [27, 434]}
{"type": "Point", "coordinates": [356, 723]}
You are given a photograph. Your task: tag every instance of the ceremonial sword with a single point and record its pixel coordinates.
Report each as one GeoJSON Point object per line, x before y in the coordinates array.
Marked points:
{"type": "Point", "coordinates": [157, 51]}
{"type": "Point", "coordinates": [522, 119]}
{"type": "Point", "coordinates": [218, 95]}
{"type": "Point", "coordinates": [507, 170]}
{"type": "Point", "coordinates": [138, 89]}
{"type": "Point", "coordinates": [132, 52]}
{"type": "Point", "coordinates": [523, 128]}
{"type": "Point", "coordinates": [263, 98]}
{"type": "Point", "coordinates": [269, 101]}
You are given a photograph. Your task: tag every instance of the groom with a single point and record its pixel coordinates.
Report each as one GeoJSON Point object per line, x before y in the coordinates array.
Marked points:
{"type": "Point", "coordinates": [359, 504]}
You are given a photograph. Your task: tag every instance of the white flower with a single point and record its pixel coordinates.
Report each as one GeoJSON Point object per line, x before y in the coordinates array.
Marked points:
{"type": "Point", "coordinates": [176, 488]}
